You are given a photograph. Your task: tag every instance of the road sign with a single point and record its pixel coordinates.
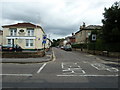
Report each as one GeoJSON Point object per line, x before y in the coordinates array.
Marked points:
{"type": "Point", "coordinates": [44, 42]}
{"type": "Point", "coordinates": [93, 37]}
{"type": "Point", "coordinates": [44, 37]}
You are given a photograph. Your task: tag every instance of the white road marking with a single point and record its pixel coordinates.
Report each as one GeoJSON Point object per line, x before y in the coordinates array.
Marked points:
{"type": "Point", "coordinates": [113, 69]}
{"type": "Point", "coordinates": [54, 58]}
{"type": "Point", "coordinates": [15, 74]}
{"type": "Point", "coordinates": [62, 66]}
{"type": "Point", "coordinates": [83, 71]}
{"type": "Point", "coordinates": [69, 68]}
{"type": "Point", "coordinates": [104, 67]}
{"type": "Point", "coordinates": [95, 66]}
{"type": "Point", "coordinates": [41, 68]}
{"type": "Point", "coordinates": [88, 75]}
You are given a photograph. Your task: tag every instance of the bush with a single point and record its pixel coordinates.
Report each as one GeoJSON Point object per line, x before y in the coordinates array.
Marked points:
{"type": "Point", "coordinates": [111, 47]}
{"type": "Point", "coordinates": [79, 46]}
{"type": "Point", "coordinates": [99, 45]}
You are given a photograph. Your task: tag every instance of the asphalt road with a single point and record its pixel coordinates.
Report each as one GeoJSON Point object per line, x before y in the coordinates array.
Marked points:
{"type": "Point", "coordinates": [69, 69]}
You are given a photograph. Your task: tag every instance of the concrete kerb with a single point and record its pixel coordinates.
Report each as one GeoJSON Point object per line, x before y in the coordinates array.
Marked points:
{"type": "Point", "coordinates": [30, 62]}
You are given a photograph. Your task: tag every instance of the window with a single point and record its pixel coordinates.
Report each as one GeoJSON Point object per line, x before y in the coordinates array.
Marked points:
{"type": "Point", "coordinates": [30, 31]}
{"type": "Point", "coordinates": [13, 32]}
{"type": "Point", "coordinates": [89, 33]}
{"type": "Point", "coordinates": [29, 42]}
{"type": "Point", "coordinates": [10, 41]}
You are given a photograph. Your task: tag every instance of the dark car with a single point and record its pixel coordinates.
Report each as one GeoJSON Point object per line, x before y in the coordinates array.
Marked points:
{"type": "Point", "coordinates": [11, 48]}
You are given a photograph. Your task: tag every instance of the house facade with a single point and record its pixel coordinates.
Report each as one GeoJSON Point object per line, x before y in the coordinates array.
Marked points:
{"type": "Point", "coordinates": [77, 37]}
{"type": "Point", "coordinates": [1, 36]}
{"type": "Point", "coordinates": [71, 39]}
{"type": "Point", "coordinates": [85, 31]}
{"type": "Point", "coordinates": [26, 35]}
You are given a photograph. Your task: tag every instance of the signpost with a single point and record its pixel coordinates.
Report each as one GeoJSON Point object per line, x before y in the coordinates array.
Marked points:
{"type": "Point", "coordinates": [44, 40]}
{"type": "Point", "coordinates": [93, 37]}
{"type": "Point", "coordinates": [94, 40]}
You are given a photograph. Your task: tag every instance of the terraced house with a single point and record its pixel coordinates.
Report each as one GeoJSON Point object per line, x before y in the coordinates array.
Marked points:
{"type": "Point", "coordinates": [1, 35]}
{"type": "Point", "coordinates": [85, 31]}
{"type": "Point", "coordinates": [26, 35]}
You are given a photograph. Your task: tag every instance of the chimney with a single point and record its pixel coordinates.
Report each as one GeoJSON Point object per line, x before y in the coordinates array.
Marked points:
{"type": "Point", "coordinates": [72, 34]}
{"type": "Point", "coordinates": [84, 24]}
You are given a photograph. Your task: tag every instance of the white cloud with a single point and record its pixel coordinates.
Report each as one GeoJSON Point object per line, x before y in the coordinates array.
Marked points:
{"type": "Point", "coordinates": [60, 17]}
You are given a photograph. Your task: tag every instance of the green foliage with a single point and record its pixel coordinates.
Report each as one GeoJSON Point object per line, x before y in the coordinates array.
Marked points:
{"type": "Point", "coordinates": [111, 24]}
{"type": "Point", "coordinates": [79, 45]}
{"type": "Point", "coordinates": [99, 45]}
{"type": "Point", "coordinates": [56, 42]}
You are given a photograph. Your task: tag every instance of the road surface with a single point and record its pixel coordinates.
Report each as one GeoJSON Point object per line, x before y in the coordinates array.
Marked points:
{"type": "Point", "coordinates": [69, 69]}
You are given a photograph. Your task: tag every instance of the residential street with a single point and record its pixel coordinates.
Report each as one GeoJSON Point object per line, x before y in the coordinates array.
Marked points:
{"type": "Point", "coordinates": [68, 69]}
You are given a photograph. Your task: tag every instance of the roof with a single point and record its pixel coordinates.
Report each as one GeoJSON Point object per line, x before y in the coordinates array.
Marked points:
{"type": "Point", "coordinates": [71, 37]}
{"type": "Point", "coordinates": [22, 25]}
{"type": "Point", "coordinates": [77, 32]}
{"type": "Point", "coordinates": [92, 27]}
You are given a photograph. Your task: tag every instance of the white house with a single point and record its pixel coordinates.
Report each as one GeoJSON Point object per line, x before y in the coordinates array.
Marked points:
{"type": "Point", "coordinates": [26, 35]}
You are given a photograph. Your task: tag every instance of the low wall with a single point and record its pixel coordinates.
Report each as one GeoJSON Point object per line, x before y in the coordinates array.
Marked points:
{"type": "Point", "coordinates": [23, 54]}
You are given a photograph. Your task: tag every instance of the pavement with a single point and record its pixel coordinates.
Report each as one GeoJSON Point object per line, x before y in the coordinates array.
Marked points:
{"type": "Point", "coordinates": [48, 57]}
{"type": "Point", "coordinates": [105, 58]}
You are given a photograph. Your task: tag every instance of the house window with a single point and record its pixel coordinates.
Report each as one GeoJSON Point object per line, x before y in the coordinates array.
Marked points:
{"type": "Point", "coordinates": [29, 42]}
{"type": "Point", "coordinates": [89, 34]}
{"type": "Point", "coordinates": [13, 32]}
{"type": "Point", "coordinates": [10, 41]}
{"type": "Point", "coordinates": [30, 31]}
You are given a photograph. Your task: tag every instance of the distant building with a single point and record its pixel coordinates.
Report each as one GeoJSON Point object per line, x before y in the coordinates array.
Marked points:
{"type": "Point", "coordinates": [85, 31]}
{"type": "Point", "coordinates": [71, 39]}
{"type": "Point", "coordinates": [1, 36]}
{"type": "Point", "coordinates": [26, 35]}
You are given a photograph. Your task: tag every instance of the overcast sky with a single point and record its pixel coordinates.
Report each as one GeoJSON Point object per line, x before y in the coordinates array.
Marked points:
{"type": "Point", "coordinates": [59, 18]}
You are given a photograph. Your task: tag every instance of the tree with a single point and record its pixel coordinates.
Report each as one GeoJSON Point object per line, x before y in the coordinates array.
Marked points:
{"type": "Point", "coordinates": [56, 42]}
{"type": "Point", "coordinates": [111, 24]}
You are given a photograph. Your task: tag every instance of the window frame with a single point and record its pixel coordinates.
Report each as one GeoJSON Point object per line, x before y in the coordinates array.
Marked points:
{"type": "Point", "coordinates": [29, 43]}
{"type": "Point", "coordinates": [30, 31]}
{"type": "Point", "coordinates": [13, 31]}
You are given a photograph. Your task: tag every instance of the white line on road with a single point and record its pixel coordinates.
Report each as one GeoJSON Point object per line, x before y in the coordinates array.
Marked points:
{"type": "Point", "coordinates": [41, 68]}
{"type": "Point", "coordinates": [15, 74]}
{"type": "Point", "coordinates": [95, 66]}
{"type": "Point", "coordinates": [62, 65]}
{"type": "Point", "coordinates": [83, 71]}
{"type": "Point", "coordinates": [54, 58]}
{"type": "Point", "coordinates": [88, 75]}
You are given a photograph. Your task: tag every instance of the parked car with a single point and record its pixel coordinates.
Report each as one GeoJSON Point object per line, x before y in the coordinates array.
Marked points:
{"type": "Point", "coordinates": [68, 47]}
{"type": "Point", "coordinates": [11, 48]}
{"type": "Point", "coordinates": [62, 47]}
{"type": "Point", "coordinates": [0, 47]}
